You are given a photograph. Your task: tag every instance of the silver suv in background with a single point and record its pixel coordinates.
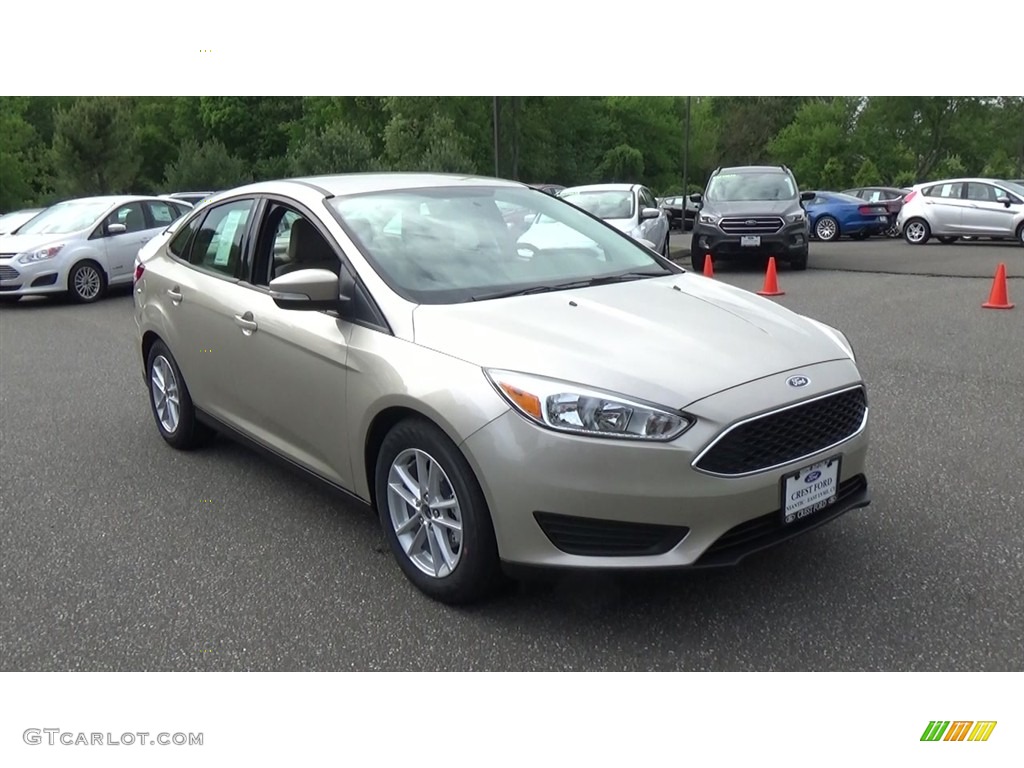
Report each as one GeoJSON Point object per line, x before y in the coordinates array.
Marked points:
{"type": "Point", "coordinates": [954, 208]}
{"type": "Point", "coordinates": [82, 246]}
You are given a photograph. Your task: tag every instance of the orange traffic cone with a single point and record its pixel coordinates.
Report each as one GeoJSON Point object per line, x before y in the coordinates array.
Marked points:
{"type": "Point", "coordinates": [998, 298]}
{"type": "Point", "coordinates": [709, 268]}
{"type": "Point", "coordinates": [771, 281]}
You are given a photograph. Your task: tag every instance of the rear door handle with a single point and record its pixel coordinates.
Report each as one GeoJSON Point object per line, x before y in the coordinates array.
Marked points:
{"type": "Point", "coordinates": [246, 323]}
{"type": "Point", "coordinates": [175, 294]}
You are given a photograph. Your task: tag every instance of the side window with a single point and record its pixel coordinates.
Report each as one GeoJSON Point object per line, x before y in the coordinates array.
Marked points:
{"type": "Point", "coordinates": [288, 241]}
{"type": "Point", "coordinates": [647, 199]}
{"type": "Point", "coordinates": [130, 215]}
{"type": "Point", "coordinates": [161, 214]}
{"type": "Point", "coordinates": [873, 195]}
{"type": "Point", "coordinates": [179, 243]}
{"type": "Point", "coordinates": [218, 243]}
{"type": "Point", "coordinates": [981, 192]}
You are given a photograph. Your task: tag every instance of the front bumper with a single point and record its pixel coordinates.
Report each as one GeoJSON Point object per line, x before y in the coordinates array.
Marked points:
{"type": "Point", "coordinates": [629, 502]}
{"type": "Point", "coordinates": [31, 279]}
{"type": "Point", "coordinates": [790, 241]}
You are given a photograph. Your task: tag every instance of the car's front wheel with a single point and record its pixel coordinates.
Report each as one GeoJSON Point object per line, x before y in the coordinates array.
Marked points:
{"type": "Point", "coordinates": [434, 514]}
{"type": "Point", "coordinates": [826, 229]}
{"type": "Point", "coordinates": [917, 232]}
{"type": "Point", "coordinates": [171, 403]}
{"type": "Point", "coordinates": [799, 262]}
{"type": "Point", "coordinates": [1020, 234]}
{"type": "Point", "coordinates": [86, 282]}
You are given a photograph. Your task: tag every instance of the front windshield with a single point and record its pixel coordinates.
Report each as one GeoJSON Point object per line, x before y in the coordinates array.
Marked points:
{"type": "Point", "coordinates": [11, 221]}
{"type": "Point", "coordinates": [749, 187]}
{"type": "Point", "coordinates": [67, 217]}
{"type": "Point", "coordinates": [453, 244]}
{"type": "Point", "coordinates": [1015, 187]}
{"type": "Point", "coordinates": [605, 203]}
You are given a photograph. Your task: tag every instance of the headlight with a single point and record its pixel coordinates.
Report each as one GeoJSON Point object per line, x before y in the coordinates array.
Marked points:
{"type": "Point", "coordinates": [40, 254]}
{"type": "Point", "coordinates": [581, 410]}
{"type": "Point", "coordinates": [797, 218]}
{"type": "Point", "coordinates": [708, 218]}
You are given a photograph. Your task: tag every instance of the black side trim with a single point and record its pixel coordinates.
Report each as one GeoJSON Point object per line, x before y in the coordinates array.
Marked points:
{"type": "Point", "coordinates": [269, 453]}
{"type": "Point", "coordinates": [591, 537]}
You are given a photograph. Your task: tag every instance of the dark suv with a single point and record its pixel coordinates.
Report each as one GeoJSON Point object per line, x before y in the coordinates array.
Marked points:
{"type": "Point", "coordinates": [751, 211]}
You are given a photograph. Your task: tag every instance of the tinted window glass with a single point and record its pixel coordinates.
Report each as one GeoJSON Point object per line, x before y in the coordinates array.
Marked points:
{"type": "Point", "coordinates": [162, 213]}
{"type": "Point", "coordinates": [130, 215]}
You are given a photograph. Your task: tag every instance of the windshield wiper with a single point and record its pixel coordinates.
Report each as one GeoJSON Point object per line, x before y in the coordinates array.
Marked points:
{"type": "Point", "coordinates": [588, 283]}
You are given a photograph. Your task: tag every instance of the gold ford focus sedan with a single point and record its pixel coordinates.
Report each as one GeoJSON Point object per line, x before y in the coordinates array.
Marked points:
{"type": "Point", "coordinates": [506, 390]}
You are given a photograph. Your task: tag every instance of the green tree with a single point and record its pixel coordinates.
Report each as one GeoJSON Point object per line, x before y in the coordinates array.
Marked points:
{"type": "Point", "coordinates": [338, 148]}
{"type": "Point", "coordinates": [95, 151]}
{"type": "Point", "coordinates": [206, 166]}
{"type": "Point", "coordinates": [425, 143]}
{"type": "Point", "coordinates": [819, 133]}
{"type": "Point", "coordinates": [867, 175]}
{"type": "Point", "coordinates": [19, 154]}
{"type": "Point", "coordinates": [622, 164]}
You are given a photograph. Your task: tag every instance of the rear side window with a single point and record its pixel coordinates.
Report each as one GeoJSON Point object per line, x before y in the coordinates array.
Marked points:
{"type": "Point", "coordinates": [162, 213]}
{"type": "Point", "coordinates": [954, 190]}
{"type": "Point", "coordinates": [218, 243]}
{"type": "Point", "coordinates": [179, 243]}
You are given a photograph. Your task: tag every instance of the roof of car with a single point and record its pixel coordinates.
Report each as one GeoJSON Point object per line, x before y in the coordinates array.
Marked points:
{"type": "Point", "coordinates": [360, 183]}
{"type": "Point", "coordinates": [611, 187]}
{"type": "Point", "coordinates": [751, 168]}
{"type": "Point", "coordinates": [109, 199]}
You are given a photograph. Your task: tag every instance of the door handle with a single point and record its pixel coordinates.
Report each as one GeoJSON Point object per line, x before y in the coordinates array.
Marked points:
{"type": "Point", "coordinates": [175, 294]}
{"type": "Point", "coordinates": [246, 323]}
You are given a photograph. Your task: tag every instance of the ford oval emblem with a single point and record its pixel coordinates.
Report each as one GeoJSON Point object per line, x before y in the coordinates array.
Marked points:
{"type": "Point", "coordinates": [798, 381]}
{"type": "Point", "coordinates": [812, 476]}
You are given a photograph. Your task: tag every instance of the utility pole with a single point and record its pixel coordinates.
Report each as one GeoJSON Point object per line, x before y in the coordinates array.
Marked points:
{"type": "Point", "coordinates": [495, 121]}
{"type": "Point", "coordinates": [686, 161]}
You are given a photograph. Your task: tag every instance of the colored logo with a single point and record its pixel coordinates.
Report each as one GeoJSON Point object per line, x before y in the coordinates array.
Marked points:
{"type": "Point", "coordinates": [812, 476]}
{"type": "Point", "coordinates": [798, 381]}
{"type": "Point", "coordinates": [958, 730]}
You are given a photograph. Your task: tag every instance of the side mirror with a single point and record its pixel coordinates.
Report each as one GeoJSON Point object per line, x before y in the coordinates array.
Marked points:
{"type": "Point", "coordinates": [806, 197]}
{"type": "Point", "coordinates": [1004, 200]}
{"type": "Point", "coordinates": [697, 198]}
{"type": "Point", "coordinates": [116, 229]}
{"type": "Point", "coordinates": [649, 213]}
{"type": "Point", "coordinates": [313, 290]}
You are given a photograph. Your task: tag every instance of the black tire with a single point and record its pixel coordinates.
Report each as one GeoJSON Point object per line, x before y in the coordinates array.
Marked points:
{"type": "Point", "coordinates": [477, 574]}
{"type": "Point", "coordinates": [665, 247]}
{"type": "Point", "coordinates": [188, 433]}
{"type": "Point", "coordinates": [697, 260]}
{"type": "Point", "coordinates": [831, 225]}
{"type": "Point", "coordinates": [861, 236]}
{"type": "Point", "coordinates": [6, 299]}
{"type": "Point", "coordinates": [947, 240]}
{"type": "Point", "coordinates": [917, 232]}
{"type": "Point", "coordinates": [87, 282]}
{"type": "Point", "coordinates": [1020, 234]}
{"type": "Point", "coordinates": [799, 263]}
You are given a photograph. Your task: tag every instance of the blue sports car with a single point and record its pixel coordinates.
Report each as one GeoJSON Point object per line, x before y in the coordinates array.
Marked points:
{"type": "Point", "coordinates": [833, 215]}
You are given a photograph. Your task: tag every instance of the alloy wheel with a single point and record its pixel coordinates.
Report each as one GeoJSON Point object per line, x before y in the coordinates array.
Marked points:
{"type": "Point", "coordinates": [915, 232]}
{"type": "Point", "coordinates": [166, 394]}
{"type": "Point", "coordinates": [87, 282]}
{"type": "Point", "coordinates": [425, 513]}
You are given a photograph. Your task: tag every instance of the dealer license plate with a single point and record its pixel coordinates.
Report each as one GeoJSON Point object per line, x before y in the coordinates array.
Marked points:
{"type": "Point", "coordinates": [810, 490]}
{"type": "Point", "coordinates": [750, 240]}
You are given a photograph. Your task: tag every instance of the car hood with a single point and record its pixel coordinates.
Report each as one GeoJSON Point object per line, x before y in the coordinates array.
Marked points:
{"type": "Point", "coordinates": [22, 243]}
{"type": "Point", "coordinates": [671, 340]}
{"type": "Point", "coordinates": [752, 208]}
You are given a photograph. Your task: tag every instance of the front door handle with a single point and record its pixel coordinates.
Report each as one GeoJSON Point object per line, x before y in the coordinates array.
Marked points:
{"type": "Point", "coordinates": [246, 323]}
{"type": "Point", "coordinates": [175, 294]}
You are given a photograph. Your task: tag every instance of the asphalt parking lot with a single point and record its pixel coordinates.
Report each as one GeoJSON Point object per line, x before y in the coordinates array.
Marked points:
{"type": "Point", "coordinates": [122, 554]}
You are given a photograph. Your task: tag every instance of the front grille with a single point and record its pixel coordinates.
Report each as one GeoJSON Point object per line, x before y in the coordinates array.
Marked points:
{"type": "Point", "coordinates": [767, 530]}
{"type": "Point", "coordinates": [785, 436]}
{"type": "Point", "coordinates": [8, 273]}
{"type": "Point", "coordinates": [608, 538]}
{"type": "Point", "coordinates": [750, 225]}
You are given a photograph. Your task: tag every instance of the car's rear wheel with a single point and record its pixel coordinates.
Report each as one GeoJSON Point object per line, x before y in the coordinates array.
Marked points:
{"type": "Point", "coordinates": [434, 514]}
{"type": "Point", "coordinates": [826, 229]}
{"type": "Point", "coordinates": [917, 232]}
{"type": "Point", "coordinates": [946, 240]}
{"type": "Point", "coordinates": [86, 282]}
{"type": "Point", "coordinates": [171, 403]}
{"type": "Point", "coordinates": [861, 236]}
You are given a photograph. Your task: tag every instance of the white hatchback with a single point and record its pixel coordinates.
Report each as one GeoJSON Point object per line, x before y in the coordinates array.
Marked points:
{"type": "Point", "coordinates": [954, 208]}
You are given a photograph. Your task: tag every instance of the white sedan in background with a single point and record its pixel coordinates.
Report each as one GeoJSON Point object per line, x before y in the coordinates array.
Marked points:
{"type": "Point", "coordinates": [630, 208]}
